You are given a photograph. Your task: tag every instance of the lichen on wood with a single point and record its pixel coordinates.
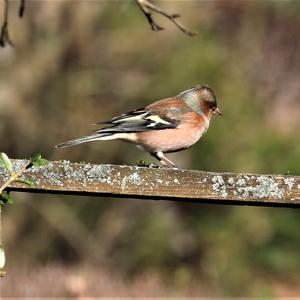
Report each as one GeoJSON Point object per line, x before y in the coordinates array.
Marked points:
{"type": "Point", "coordinates": [160, 184]}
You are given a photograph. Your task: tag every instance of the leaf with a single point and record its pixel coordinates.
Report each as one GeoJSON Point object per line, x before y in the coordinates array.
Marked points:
{"type": "Point", "coordinates": [29, 182]}
{"type": "Point", "coordinates": [7, 163]}
{"type": "Point", "coordinates": [2, 258]}
{"type": "Point", "coordinates": [6, 198]}
{"type": "Point", "coordinates": [38, 161]}
{"type": "Point", "coordinates": [36, 156]}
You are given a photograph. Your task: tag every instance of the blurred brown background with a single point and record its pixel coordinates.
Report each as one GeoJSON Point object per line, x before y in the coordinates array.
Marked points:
{"type": "Point", "coordinates": [77, 62]}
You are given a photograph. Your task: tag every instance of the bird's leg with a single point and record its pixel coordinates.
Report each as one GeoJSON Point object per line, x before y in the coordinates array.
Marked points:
{"type": "Point", "coordinates": [163, 160]}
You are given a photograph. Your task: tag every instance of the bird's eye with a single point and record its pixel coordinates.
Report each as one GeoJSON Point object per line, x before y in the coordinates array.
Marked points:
{"type": "Point", "coordinates": [212, 105]}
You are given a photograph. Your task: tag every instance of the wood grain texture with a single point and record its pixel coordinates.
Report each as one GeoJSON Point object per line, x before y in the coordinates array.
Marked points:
{"type": "Point", "coordinates": [159, 184]}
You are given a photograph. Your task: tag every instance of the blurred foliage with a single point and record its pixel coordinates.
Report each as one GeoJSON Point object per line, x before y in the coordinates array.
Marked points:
{"type": "Point", "coordinates": [78, 62]}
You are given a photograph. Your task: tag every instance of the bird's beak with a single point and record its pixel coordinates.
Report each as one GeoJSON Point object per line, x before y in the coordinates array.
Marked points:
{"type": "Point", "coordinates": [216, 111]}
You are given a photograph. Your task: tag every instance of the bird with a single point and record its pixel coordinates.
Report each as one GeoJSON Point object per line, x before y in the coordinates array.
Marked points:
{"type": "Point", "coordinates": [165, 126]}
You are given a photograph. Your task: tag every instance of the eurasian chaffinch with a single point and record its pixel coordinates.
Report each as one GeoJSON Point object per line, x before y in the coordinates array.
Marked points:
{"type": "Point", "coordinates": [165, 126]}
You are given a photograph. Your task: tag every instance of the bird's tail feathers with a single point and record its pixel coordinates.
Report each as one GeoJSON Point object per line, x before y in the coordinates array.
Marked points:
{"type": "Point", "coordinates": [85, 139]}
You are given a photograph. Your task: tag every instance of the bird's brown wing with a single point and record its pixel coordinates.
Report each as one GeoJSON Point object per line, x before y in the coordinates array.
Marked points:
{"type": "Point", "coordinates": [140, 120]}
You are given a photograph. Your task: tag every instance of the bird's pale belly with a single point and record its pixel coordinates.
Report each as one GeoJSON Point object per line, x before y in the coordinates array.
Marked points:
{"type": "Point", "coordinates": [170, 140]}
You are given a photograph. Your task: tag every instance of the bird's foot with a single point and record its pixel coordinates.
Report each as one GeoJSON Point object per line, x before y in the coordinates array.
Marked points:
{"type": "Point", "coordinates": [142, 163]}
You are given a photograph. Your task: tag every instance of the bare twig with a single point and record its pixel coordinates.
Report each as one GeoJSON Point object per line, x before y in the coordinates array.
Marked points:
{"type": "Point", "coordinates": [147, 7]}
{"type": "Point", "coordinates": [147, 13]}
{"type": "Point", "coordinates": [4, 35]}
{"type": "Point", "coordinates": [0, 226]}
{"type": "Point", "coordinates": [2, 271]}
{"type": "Point", "coordinates": [2, 254]}
{"type": "Point", "coordinates": [15, 176]}
{"type": "Point", "coordinates": [21, 8]}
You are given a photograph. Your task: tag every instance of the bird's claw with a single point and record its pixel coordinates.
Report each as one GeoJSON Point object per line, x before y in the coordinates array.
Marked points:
{"type": "Point", "coordinates": [142, 163]}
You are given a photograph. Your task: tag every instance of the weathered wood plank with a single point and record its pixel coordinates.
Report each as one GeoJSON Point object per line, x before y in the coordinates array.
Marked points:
{"type": "Point", "coordinates": [163, 184]}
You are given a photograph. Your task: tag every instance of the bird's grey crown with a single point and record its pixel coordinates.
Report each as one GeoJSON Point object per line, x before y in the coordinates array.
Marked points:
{"type": "Point", "coordinates": [194, 89]}
{"type": "Point", "coordinates": [191, 98]}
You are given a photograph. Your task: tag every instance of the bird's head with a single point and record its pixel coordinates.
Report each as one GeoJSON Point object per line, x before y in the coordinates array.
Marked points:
{"type": "Point", "coordinates": [202, 99]}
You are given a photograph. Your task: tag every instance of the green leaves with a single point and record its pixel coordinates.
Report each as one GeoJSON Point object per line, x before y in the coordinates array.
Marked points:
{"type": "Point", "coordinates": [38, 161]}
{"type": "Point", "coordinates": [7, 163]}
{"type": "Point", "coordinates": [6, 198]}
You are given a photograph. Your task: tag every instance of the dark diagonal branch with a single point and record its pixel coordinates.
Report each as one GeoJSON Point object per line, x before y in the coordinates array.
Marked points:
{"type": "Point", "coordinates": [147, 13]}
{"type": "Point", "coordinates": [147, 8]}
{"type": "Point", "coordinates": [21, 8]}
{"type": "Point", "coordinates": [4, 34]}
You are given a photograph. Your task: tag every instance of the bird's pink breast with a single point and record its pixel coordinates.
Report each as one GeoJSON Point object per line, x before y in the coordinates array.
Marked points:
{"type": "Point", "coordinates": [192, 127]}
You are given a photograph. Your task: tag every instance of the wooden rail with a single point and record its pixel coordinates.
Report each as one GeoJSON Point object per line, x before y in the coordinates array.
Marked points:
{"type": "Point", "coordinates": [159, 184]}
